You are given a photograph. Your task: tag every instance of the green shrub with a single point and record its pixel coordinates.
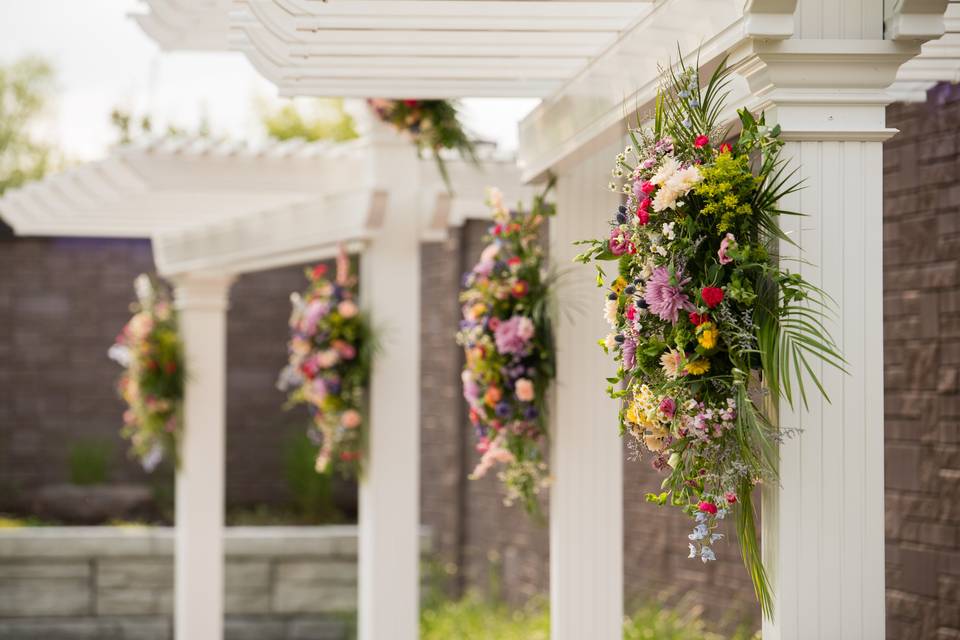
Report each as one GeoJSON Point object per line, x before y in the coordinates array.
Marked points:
{"type": "Point", "coordinates": [89, 462]}
{"type": "Point", "coordinates": [312, 492]}
{"type": "Point", "coordinates": [475, 619]}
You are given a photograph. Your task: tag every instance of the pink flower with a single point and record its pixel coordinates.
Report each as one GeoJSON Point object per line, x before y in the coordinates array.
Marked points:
{"type": "Point", "coordinates": [619, 244]}
{"type": "Point", "coordinates": [701, 141]}
{"type": "Point", "coordinates": [729, 242]}
{"type": "Point", "coordinates": [524, 390]}
{"type": "Point", "coordinates": [731, 497]}
{"type": "Point", "coordinates": [666, 299]}
{"type": "Point", "coordinates": [348, 309]}
{"type": "Point", "coordinates": [647, 188]}
{"type": "Point", "coordinates": [513, 335]}
{"type": "Point", "coordinates": [708, 507]}
{"type": "Point", "coordinates": [351, 419]}
{"type": "Point", "coordinates": [672, 363]}
{"type": "Point", "coordinates": [668, 407]}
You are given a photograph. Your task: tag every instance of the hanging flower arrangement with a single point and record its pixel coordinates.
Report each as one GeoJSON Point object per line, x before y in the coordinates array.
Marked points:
{"type": "Point", "coordinates": [330, 351]}
{"type": "Point", "coordinates": [433, 125]}
{"type": "Point", "coordinates": [150, 351]}
{"type": "Point", "coordinates": [707, 328]}
{"type": "Point", "coordinates": [508, 342]}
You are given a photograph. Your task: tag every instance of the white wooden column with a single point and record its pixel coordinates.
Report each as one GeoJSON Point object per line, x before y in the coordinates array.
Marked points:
{"type": "Point", "coordinates": [389, 593]}
{"type": "Point", "coordinates": [198, 604]}
{"type": "Point", "coordinates": [823, 527]}
{"type": "Point", "coordinates": [586, 499]}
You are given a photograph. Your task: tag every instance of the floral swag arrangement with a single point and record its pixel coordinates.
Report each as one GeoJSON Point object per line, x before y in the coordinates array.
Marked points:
{"type": "Point", "coordinates": [507, 338]}
{"type": "Point", "coordinates": [330, 351]}
{"type": "Point", "coordinates": [433, 125]}
{"type": "Point", "coordinates": [706, 328]}
{"type": "Point", "coordinates": [151, 353]}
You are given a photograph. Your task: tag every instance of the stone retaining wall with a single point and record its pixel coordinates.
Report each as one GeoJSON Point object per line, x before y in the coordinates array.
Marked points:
{"type": "Point", "coordinates": [110, 583]}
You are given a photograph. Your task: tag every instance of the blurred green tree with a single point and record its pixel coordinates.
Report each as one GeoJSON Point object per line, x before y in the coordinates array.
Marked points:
{"type": "Point", "coordinates": [26, 86]}
{"type": "Point", "coordinates": [310, 119]}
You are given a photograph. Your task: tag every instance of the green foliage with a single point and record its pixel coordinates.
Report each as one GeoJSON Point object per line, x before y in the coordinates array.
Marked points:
{"type": "Point", "coordinates": [473, 618]}
{"type": "Point", "coordinates": [89, 462]}
{"type": "Point", "coordinates": [312, 492]}
{"type": "Point", "coordinates": [311, 120]}
{"type": "Point", "coordinates": [26, 86]}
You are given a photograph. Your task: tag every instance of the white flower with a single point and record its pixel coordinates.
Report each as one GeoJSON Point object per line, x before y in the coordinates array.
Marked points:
{"type": "Point", "coordinates": [610, 342]}
{"type": "Point", "coordinates": [668, 231]}
{"type": "Point", "coordinates": [144, 289]}
{"type": "Point", "coordinates": [665, 172]}
{"type": "Point", "coordinates": [647, 270]}
{"type": "Point", "coordinates": [666, 198]}
{"type": "Point", "coordinates": [610, 312]}
{"type": "Point", "coordinates": [120, 354]}
{"type": "Point", "coordinates": [684, 179]}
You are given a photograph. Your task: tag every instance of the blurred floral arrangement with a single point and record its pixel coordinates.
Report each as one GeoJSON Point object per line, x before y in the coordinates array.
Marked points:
{"type": "Point", "coordinates": [330, 349]}
{"type": "Point", "coordinates": [151, 353]}
{"type": "Point", "coordinates": [508, 341]}
{"type": "Point", "coordinates": [432, 124]}
{"type": "Point", "coordinates": [708, 329]}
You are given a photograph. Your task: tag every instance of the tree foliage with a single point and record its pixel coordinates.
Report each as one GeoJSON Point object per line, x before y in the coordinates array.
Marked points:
{"type": "Point", "coordinates": [26, 86]}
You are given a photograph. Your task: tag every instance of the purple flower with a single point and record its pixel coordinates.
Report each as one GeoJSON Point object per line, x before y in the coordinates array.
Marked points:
{"type": "Point", "coordinates": [530, 413]}
{"type": "Point", "coordinates": [512, 336]}
{"type": "Point", "coordinates": [629, 351]}
{"type": "Point", "coordinates": [668, 407]}
{"type": "Point", "coordinates": [503, 409]}
{"type": "Point", "coordinates": [665, 299]}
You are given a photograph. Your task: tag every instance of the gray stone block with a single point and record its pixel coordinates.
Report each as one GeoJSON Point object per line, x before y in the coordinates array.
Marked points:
{"type": "Point", "coordinates": [44, 597]}
{"type": "Point", "coordinates": [290, 597]}
{"type": "Point", "coordinates": [134, 601]}
{"type": "Point", "coordinates": [86, 629]}
{"type": "Point", "coordinates": [34, 569]}
{"type": "Point", "coordinates": [254, 628]}
{"type": "Point", "coordinates": [317, 572]}
{"type": "Point", "coordinates": [134, 572]}
{"type": "Point", "coordinates": [317, 629]}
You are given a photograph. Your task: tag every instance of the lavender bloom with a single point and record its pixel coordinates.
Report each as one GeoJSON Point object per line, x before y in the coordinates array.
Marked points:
{"type": "Point", "coordinates": [629, 351]}
{"type": "Point", "coordinates": [152, 458]}
{"type": "Point", "coordinates": [664, 299]}
{"type": "Point", "coordinates": [503, 409]}
{"type": "Point", "coordinates": [706, 554]}
{"type": "Point", "coordinates": [530, 413]}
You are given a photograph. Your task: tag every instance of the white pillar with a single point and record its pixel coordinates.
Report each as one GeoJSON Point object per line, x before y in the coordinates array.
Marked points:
{"type": "Point", "coordinates": [389, 594]}
{"type": "Point", "coordinates": [823, 527]}
{"type": "Point", "coordinates": [198, 605]}
{"type": "Point", "coordinates": [586, 498]}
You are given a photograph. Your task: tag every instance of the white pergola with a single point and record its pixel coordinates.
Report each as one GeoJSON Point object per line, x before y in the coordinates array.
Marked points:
{"type": "Point", "coordinates": [822, 70]}
{"type": "Point", "coordinates": [216, 210]}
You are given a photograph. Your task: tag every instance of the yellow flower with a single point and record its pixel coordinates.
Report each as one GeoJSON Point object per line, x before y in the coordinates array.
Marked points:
{"type": "Point", "coordinates": [632, 413]}
{"type": "Point", "coordinates": [698, 367]}
{"type": "Point", "coordinates": [619, 285]}
{"type": "Point", "coordinates": [707, 335]}
{"type": "Point", "coordinates": [478, 310]}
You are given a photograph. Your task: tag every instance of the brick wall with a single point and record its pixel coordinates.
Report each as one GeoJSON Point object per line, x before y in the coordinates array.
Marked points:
{"type": "Point", "coordinates": [62, 302]}
{"type": "Point", "coordinates": [922, 361]}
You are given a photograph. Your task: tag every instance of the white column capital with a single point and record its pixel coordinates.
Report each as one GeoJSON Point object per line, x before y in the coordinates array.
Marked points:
{"type": "Point", "coordinates": [914, 19]}
{"type": "Point", "coordinates": [202, 292]}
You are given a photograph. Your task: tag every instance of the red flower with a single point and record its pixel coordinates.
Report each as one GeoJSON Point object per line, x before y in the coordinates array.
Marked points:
{"type": "Point", "coordinates": [726, 148]}
{"type": "Point", "coordinates": [514, 261]}
{"type": "Point", "coordinates": [643, 215]}
{"type": "Point", "coordinates": [497, 230]}
{"type": "Point", "coordinates": [474, 416]}
{"type": "Point", "coordinates": [698, 318]}
{"type": "Point", "coordinates": [318, 272]}
{"type": "Point", "coordinates": [411, 103]}
{"type": "Point", "coordinates": [731, 497]}
{"type": "Point", "coordinates": [701, 141]}
{"type": "Point", "coordinates": [170, 367]}
{"type": "Point", "coordinates": [349, 456]}
{"type": "Point", "coordinates": [631, 313]}
{"type": "Point", "coordinates": [647, 188]}
{"type": "Point", "coordinates": [707, 507]}
{"type": "Point", "coordinates": [645, 205]}
{"type": "Point", "coordinates": [520, 289]}
{"type": "Point", "coordinates": [712, 296]}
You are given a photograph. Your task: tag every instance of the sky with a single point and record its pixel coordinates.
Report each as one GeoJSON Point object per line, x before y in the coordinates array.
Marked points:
{"type": "Point", "coordinates": [103, 60]}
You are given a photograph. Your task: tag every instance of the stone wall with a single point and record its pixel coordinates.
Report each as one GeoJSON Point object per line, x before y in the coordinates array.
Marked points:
{"type": "Point", "coordinates": [922, 360]}
{"type": "Point", "coordinates": [117, 583]}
